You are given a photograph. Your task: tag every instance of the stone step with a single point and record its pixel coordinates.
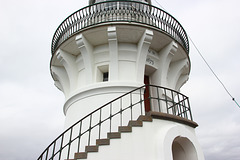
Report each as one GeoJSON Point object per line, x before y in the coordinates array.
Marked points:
{"type": "Point", "coordinates": [145, 118]}
{"type": "Point", "coordinates": [114, 135]}
{"type": "Point", "coordinates": [103, 141]}
{"type": "Point", "coordinates": [80, 155]}
{"type": "Point", "coordinates": [135, 123]}
{"type": "Point", "coordinates": [91, 148]}
{"type": "Point", "coordinates": [125, 129]}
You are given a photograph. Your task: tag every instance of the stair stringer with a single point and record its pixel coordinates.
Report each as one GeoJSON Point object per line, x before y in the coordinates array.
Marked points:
{"type": "Point", "coordinates": [153, 141]}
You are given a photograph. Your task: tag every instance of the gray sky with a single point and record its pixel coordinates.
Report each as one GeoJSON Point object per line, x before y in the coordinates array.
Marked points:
{"type": "Point", "coordinates": [31, 113]}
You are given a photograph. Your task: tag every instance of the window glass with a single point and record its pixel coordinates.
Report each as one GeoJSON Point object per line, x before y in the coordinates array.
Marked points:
{"type": "Point", "coordinates": [105, 76]}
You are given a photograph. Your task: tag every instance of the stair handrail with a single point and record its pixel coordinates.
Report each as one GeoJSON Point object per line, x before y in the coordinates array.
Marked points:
{"type": "Point", "coordinates": [52, 147]}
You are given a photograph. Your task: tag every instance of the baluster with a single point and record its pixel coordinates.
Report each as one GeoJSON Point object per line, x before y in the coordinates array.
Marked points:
{"type": "Point", "coordinates": [121, 120]}
{"type": "Point", "coordinates": [165, 94]}
{"type": "Point", "coordinates": [150, 97]}
{"type": "Point", "coordinates": [141, 106]}
{"type": "Point", "coordinates": [69, 143]}
{"type": "Point", "coordinates": [179, 106]}
{"type": "Point", "coordinates": [184, 108]}
{"type": "Point", "coordinates": [131, 106]}
{"type": "Point", "coordinates": [89, 131]}
{"type": "Point", "coordinates": [79, 136]}
{"type": "Point", "coordinates": [60, 150]}
{"type": "Point", "coordinates": [159, 103]}
{"type": "Point", "coordinates": [190, 112]}
{"type": "Point", "coordinates": [110, 117]}
{"type": "Point", "coordinates": [40, 158]}
{"type": "Point", "coordinates": [53, 152]}
{"type": "Point", "coordinates": [47, 154]}
{"type": "Point", "coordinates": [173, 104]}
{"type": "Point", "coordinates": [100, 123]}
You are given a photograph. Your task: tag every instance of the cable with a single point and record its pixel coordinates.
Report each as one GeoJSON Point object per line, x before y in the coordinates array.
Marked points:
{"type": "Point", "coordinates": [159, 4]}
{"type": "Point", "coordinates": [213, 72]}
{"type": "Point", "coordinates": [236, 102]}
{"type": "Point", "coordinates": [225, 88]}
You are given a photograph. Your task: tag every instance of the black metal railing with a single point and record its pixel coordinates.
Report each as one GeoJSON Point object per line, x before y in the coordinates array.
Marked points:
{"type": "Point", "coordinates": [110, 116]}
{"type": "Point", "coordinates": [120, 11]}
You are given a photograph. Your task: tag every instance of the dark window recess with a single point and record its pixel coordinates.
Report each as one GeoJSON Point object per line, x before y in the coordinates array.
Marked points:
{"type": "Point", "coordinates": [105, 76]}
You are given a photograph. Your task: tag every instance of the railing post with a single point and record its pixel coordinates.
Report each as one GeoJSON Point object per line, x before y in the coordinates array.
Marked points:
{"type": "Point", "coordinates": [179, 108]}
{"type": "Point", "coordinates": [79, 136]}
{"type": "Point", "coordinates": [166, 100]}
{"type": "Point", "coordinates": [185, 108]}
{"type": "Point", "coordinates": [53, 149]}
{"type": "Point", "coordinates": [174, 105]}
{"type": "Point", "coordinates": [110, 117]}
{"type": "Point", "coordinates": [47, 154]}
{"type": "Point", "coordinates": [189, 108]}
{"type": "Point", "coordinates": [131, 106]}
{"type": "Point", "coordinates": [141, 106]}
{"type": "Point", "coordinates": [60, 150]}
{"type": "Point", "coordinates": [69, 145]}
{"type": "Point", "coordinates": [121, 112]}
{"type": "Point", "coordinates": [159, 103]}
{"type": "Point", "coordinates": [100, 123]}
{"type": "Point", "coordinates": [150, 97]}
{"type": "Point", "coordinates": [90, 129]}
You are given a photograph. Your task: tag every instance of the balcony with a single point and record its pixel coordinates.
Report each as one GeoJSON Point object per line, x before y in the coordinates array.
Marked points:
{"type": "Point", "coordinates": [117, 116]}
{"type": "Point", "coordinates": [120, 12]}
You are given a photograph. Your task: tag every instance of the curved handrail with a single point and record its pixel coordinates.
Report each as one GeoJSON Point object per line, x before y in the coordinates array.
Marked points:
{"type": "Point", "coordinates": [119, 11]}
{"type": "Point", "coordinates": [161, 99]}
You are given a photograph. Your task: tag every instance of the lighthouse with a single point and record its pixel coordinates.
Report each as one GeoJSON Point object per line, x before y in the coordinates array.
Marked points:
{"type": "Point", "coordinates": [120, 65]}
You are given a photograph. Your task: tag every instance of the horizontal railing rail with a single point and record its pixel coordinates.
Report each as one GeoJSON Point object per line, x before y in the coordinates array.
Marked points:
{"type": "Point", "coordinates": [116, 113]}
{"type": "Point", "coordinates": [120, 11]}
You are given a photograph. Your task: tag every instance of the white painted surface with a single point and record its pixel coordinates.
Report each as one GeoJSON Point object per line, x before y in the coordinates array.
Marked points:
{"type": "Point", "coordinates": [125, 61]}
{"type": "Point", "coordinates": [127, 53]}
{"type": "Point", "coordinates": [90, 99]}
{"type": "Point", "coordinates": [153, 141]}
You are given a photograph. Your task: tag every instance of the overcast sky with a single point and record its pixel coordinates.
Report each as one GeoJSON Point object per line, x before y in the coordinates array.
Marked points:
{"type": "Point", "coordinates": [31, 113]}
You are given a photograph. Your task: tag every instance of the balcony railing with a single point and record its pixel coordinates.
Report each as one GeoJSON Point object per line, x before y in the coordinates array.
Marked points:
{"type": "Point", "coordinates": [118, 112]}
{"type": "Point", "coordinates": [117, 12]}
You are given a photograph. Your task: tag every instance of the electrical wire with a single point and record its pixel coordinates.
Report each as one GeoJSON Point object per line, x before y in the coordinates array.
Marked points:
{"type": "Point", "coordinates": [214, 72]}
{"type": "Point", "coordinates": [160, 5]}
{"type": "Point", "coordinates": [215, 75]}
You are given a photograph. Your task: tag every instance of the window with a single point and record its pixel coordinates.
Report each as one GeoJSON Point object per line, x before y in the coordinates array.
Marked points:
{"type": "Point", "coordinates": [105, 76]}
{"type": "Point", "coordinates": [102, 73]}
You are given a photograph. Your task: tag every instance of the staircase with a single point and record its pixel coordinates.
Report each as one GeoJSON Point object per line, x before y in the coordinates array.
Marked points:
{"type": "Point", "coordinates": [113, 135]}
{"type": "Point", "coordinates": [120, 118]}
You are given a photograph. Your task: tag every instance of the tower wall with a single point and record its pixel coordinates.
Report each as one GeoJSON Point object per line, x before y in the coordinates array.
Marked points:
{"type": "Point", "coordinates": [106, 50]}
{"type": "Point", "coordinates": [156, 141]}
{"type": "Point", "coordinates": [126, 53]}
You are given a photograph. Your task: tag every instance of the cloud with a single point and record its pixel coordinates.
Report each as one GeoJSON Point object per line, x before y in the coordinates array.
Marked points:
{"type": "Point", "coordinates": [28, 117]}
{"type": "Point", "coordinates": [31, 107]}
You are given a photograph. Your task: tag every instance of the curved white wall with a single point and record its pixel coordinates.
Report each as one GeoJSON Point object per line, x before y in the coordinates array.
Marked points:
{"type": "Point", "coordinates": [92, 98]}
{"type": "Point", "coordinates": [126, 53]}
{"type": "Point", "coordinates": [153, 141]}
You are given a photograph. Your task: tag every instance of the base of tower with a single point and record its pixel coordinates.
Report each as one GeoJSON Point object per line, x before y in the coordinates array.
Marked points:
{"type": "Point", "coordinates": [159, 139]}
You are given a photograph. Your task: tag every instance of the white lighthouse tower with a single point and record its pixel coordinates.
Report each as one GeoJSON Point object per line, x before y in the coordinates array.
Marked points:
{"type": "Point", "coordinates": [120, 65]}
